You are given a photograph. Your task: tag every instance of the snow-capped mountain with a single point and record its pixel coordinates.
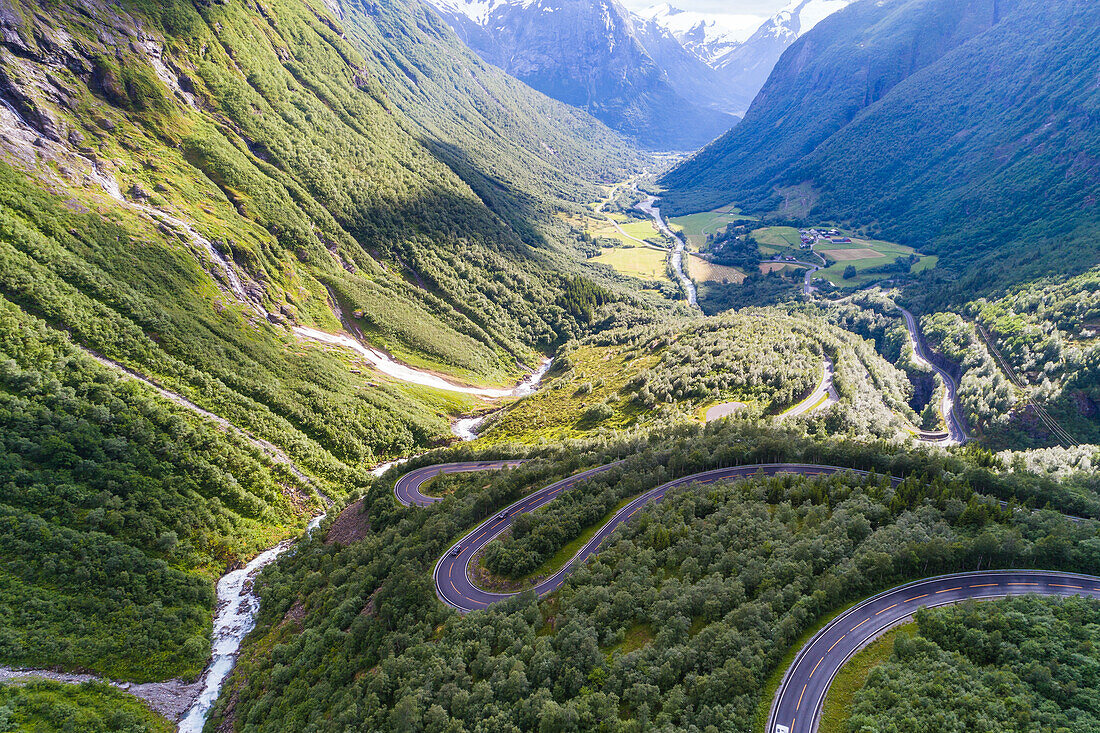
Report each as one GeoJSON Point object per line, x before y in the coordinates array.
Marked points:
{"type": "Point", "coordinates": [708, 36]}
{"type": "Point", "coordinates": [670, 78]}
{"type": "Point", "coordinates": [590, 54]}
{"type": "Point", "coordinates": [742, 54]}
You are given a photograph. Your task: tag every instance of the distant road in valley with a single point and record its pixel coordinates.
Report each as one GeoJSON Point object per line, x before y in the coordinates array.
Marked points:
{"type": "Point", "coordinates": [956, 433]}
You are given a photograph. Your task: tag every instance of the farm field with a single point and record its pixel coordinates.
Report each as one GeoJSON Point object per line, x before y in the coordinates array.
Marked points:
{"type": "Point", "coordinates": [701, 270]}
{"type": "Point", "coordinates": [864, 255]}
{"type": "Point", "coordinates": [768, 267]}
{"type": "Point", "coordinates": [696, 227]}
{"type": "Point", "coordinates": [632, 231]}
{"type": "Point", "coordinates": [641, 262]}
{"type": "Point", "coordinates": [777, 238]}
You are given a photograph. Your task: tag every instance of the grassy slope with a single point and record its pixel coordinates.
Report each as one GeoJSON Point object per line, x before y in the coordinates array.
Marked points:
{"type": "Point", "coordinates": [640, 262]}
{"type": "Point", "coordinates": [851, 678]}
{"type": "Point", "coordinates": [282, 148]}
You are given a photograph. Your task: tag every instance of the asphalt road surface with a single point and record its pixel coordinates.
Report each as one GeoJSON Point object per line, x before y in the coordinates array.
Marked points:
{"type": "Point", "coordinates": [452, 578]}
{"type": "Point", "coordinates": [407, 488]}
{"type": "Point", "coordinates": [797, 708]}
{"type": "Point", "coordinates": [824, 394]}
{"type": "Point", "coordinates": [798, 702]}
{"type": "Point", "coordinates": [949, 405]}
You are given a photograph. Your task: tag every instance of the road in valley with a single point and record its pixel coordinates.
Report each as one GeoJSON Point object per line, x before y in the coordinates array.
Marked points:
{"type": "Point", "coordinates": [407, 488]}
{"type": "Point", "coordinates": [824, 394]}
{"type": "Point", "coordinates": [798, 701]}
{"type": "Point", "coordinates": [956, 432]}
{"type": "Point", "coordinates": [452, 577]}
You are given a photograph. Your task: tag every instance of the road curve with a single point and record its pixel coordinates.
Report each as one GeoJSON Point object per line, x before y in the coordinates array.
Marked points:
{"type": "Point", "coordinates": [956, 433]}
{"type": "Point", "coordinates": [798, 702]}
{"type": "Point", "coordinates": [823, 395]}
{"type": "Point", "coordinates": [407, 488]}
{"type": "Point", "coordinates": [452, 578]}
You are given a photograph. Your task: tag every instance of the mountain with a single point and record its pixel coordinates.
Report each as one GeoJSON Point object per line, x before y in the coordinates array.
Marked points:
{"type": "Point", "coordinates": [185, 187]}
{"type": "Point", "coordinates": [740, 50]}
{"type": "Point", "coordinates": [588, 53]}
{"type": "Point", "coordinates": [710, 37]}
{"type": "Point", "coordinates": [966, 128]}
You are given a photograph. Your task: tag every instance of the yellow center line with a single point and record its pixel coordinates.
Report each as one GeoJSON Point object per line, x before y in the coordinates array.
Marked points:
{"type": "Point", "coordinates": [1056, 585]}
{"type": "Point", "coordinates": [836, 642]}
{"type": "Point", "coordinates": [885, 609]}
{"type": "Point", "coordinates": [1021, 584]}
{"type": "Point", "coordinates": [917, 598]}
{"type": "Point", "coordinates": [799, 704]}
{"type": "Point", "coordinates": [859, 624]}
{"type": "Point", "coordinates": [948, 590]}
{"type": "Point", "coordinates": [815, 667]}
{"type": "Point", "coordinates": [985, 585]}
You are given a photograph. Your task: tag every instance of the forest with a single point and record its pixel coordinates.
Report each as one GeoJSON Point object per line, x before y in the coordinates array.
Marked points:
{"type": "Point", "coordinates": [678, 622]}
{"type": "Point", "coordinates": [41, 706]}
{"type": "Point", "coordinates": [1018, 664]}
{"type": "Point", "coordinates": [118, 509]}
{"type": "Point", "coordinates": [184, 183]}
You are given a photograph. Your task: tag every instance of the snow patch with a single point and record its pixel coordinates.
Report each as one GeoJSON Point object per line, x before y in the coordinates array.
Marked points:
{"type": "Point", "coordinates": [703, 28]}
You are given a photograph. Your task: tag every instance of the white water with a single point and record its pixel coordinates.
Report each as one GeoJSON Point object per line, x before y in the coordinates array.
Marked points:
{"type": "Point", "coordinates": [466, 428]}
{"type": "Point", "coordinates": [649, 206]}
{"type": "Point", "coordinates": [384, 363]}
{"type": "Point", "coordinates": [235, 617]}
{"type": "Point", "coordinates": [382, 468]}
{"type": "Point", "coordinates": [10, 108]}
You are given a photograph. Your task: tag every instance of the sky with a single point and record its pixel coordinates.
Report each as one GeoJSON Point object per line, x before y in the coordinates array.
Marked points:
{"type": "Point", "coordinates": [725, 7]}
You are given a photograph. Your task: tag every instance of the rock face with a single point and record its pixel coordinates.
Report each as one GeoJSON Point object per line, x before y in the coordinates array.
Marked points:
{"type": "Point", "coordinates": [739, 51]}
{"type": "Point", "coordinates": [663, 76]}
{"type": "Point", "coordinates": [589, 54]}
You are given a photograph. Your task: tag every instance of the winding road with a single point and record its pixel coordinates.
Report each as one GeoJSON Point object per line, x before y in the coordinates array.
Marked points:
{"type": "Point", "coordinates": [798, 703]}
{"type": "Point", "coordinates": [956, 432]}
{"type": "Point", "coordinates": [799, 699]}
{"type": "Point", "coordinates": [824, 394]}
{"type": "Point", "coordinates": [452, 576]}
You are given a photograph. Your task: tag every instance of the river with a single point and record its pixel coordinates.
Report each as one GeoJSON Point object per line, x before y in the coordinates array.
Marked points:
{"type": "Point", "coordinates": [234, 618]}
{"type": "Point", "coordinates": [649, 206]}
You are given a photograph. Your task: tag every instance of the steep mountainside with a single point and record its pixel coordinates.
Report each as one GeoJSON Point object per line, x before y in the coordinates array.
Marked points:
{"type": "Point", "coordinates": [739, 62]}
{"type": "Point", "coordinates": [587, 53]}
{"type": "Point", "coordinates": [182, 184]}
{"type": "Point", "coordinates": [525, 155]}
{"type": "Point", "coordinates": [967, 128]}
{"type": "Point", "coordinates": [708, 36]}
